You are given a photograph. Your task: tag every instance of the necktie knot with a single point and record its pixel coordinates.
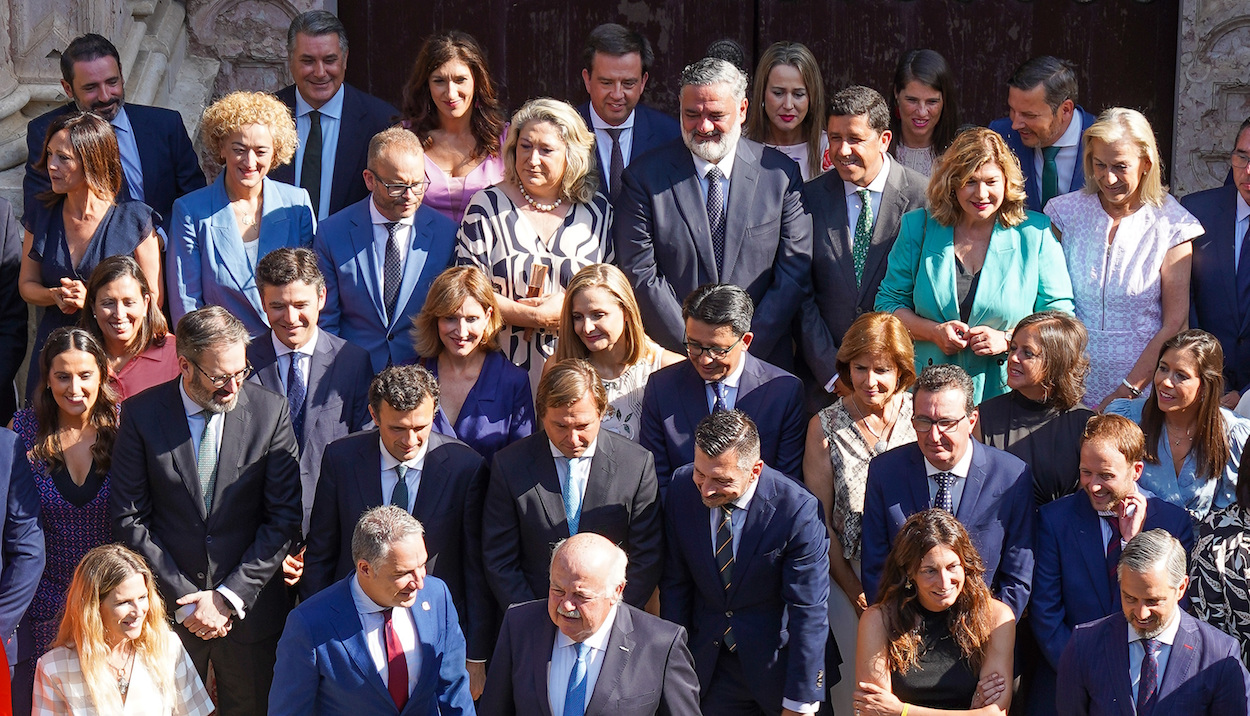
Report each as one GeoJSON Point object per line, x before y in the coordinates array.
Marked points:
{"type": "Point", "coordinates": [399, 496]}
{"type": "Point", "coordinates": [714, 173]}
{"type": "Point", "coordinates": [615, 132]}
{"type": "Point", "coordinates": [863, 196]}
{"type": "Point", "coordinates": [1049, 153]}
{"type": "Point", "coordinates": [945, 499]}
{"type": "Point", "coordinates": [1152, 646]}
{"type": "Point", "coordinates": [720, 391]}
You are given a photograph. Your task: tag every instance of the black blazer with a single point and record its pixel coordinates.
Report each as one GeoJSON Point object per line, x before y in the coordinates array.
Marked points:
{"type": "Point", "coordinates": [1213, 282]}
{"type": "Point", "coordinates": [524, 515]}
{"type": "Point", "coordinates": [652, 128]}
{"type": "Point", "coordinates": [157, 510]}
{"type": "Point", "coordinates": [448, 505]}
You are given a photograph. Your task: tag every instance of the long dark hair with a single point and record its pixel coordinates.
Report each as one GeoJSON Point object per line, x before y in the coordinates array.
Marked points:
{"type": "Point", "coordinates": [1210, 446]}
{"type": "Point", "coordinates": [48, 414]}
{"type": "Point", "coordinates": [95, 143]}
{"type": "Point", "coordinates": [154, 329]}
{"type": "Point", "coordinates": [418, 110]}
{"type": "Point", "coordinates": [930, 69]}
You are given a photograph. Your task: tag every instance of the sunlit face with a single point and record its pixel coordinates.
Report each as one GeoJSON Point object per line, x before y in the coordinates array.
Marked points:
{"type": "Point", "coordinates": [395, 580]}
{"type": "Point", "coordinates": [785, 99]}
{"type": "Point", "coordinates": [97, 87]}
{"type": "Point", "coordinates": [317, 65]}
{"type": "Point", "coordinates": [404, 432]}
{"type": "Point", "coordinates": [1026, 366]}
{"type": "Point", "coordinates": [1107, 477]}
{"type": "Point", "coordinates": [74, 379]}
{"type": "Point", "coordinates": [216, 361]}
{"type": "Point", "coordinates": [721, 480]}
{"type": "Point", "coordinates": [396, 167]}
{"type": "Point", "coordinates": [857, 150]}
{"type": "Point", "coordinates": [615, 84]}
{"type": "Point", "coordinates": [293, 311]}
{"type": "Point", "coordinates": [598, 318]}
{"type": "Point", "coordinates": [578, 600]}
{"type": "Point", "coordinates": [1118, 168]}
{"type": "Point", "coordinates": [247, 155]}
{"type": "Point", "coordinates": [939, 579]}
{"type": "Point", "coordinates": [572, 428]}
{"type": "Point", "coordinates": [1241, 155]}
{"type": "Point", "coordinates": [451, 87]}
{"type": "Point", "coordinates": [64, 166]}
{"type": "Point", "coordinates": [1036, 123]}
{"type": "Point", "coordinates": [919, 109]}
{"type": "Point", "coordinates": [712, 367]}
{"type": "Point", "coordinates": [711, 120]}
{"type": "Point", "coordinates": [943, 448]}
{"type": "Point", "coordinates": [874, 378]}
{"type": "Point", "coordinates": [1177, 381]}
{"type": "Point", "coordinates": [1148, 600]}
{"type": "Point", "coordinates": [461, 332]}
{"type": "Point", "coordinates": [120, 309]}
{"type": "Point", "coordinates": [982, 195]}
{"type": "Point", "coordinates": [541, 158]}
{"type": "Point", "coordinates": [124, 609]}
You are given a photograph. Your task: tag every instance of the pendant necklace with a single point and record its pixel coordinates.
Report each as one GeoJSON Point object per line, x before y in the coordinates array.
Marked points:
{"type": "Point", "coordinates": [881, 445]}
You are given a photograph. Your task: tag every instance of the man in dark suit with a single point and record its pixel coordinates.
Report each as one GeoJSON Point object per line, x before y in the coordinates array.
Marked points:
{"type": "Point", "coordinates": [1080, 538]}
{"type": "Point", "coordinates": [13, 313]}
{"type": "Point", "coordinates": [384, 641]}
{"type": "Point", "coordinates": [158, 160]}
{"type": "Point", "coordinates": [677, 229]}
{"type": "Point", "coordinates": [855, 219]}
{"type": "Point", "coordinates": [442, 485]}
{"type": "Point", "coordinates": [334, 120]}
{"type": "Point", "coordinates": [747, 574]}
{"type": "Point", "coordinates": [1152, 658]}
{"type": "Point", "coordinates": [380, 255]}
{"type": "Point", "coordinates": [988, 490]}
{"type": "Point", "coordinates": [1219, 283]}
{"type": "Point", "coordinates": [22, 554]}
{"type": "Point", "coordinates": [633, 662]}
{"type": "Point", "coordinates": [206, 487]}
{"type": "Point", "coordinates": [721, 375]}
{"type": "Point", "coordinates": [616, 62]}
{"type": "Point", "coordinates": [570, 477]}
{"type": "Point", "coordinates": [1040, 128]}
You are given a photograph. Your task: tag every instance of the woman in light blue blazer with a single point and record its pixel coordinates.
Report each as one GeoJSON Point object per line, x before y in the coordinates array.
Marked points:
{"type": "Point", "coordinates": [218, 233]}
{"type": "Point", "coordinates": [964, 271]}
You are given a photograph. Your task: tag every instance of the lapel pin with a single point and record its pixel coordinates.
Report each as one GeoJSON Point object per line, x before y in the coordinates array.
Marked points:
{"type": "Point", "coordinates": [622, 648]}
{"type": "Point", "coordinates": [425, 606]}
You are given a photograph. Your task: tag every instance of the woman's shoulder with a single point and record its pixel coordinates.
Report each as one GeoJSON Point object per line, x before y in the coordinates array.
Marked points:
{"type": "Point", "coordinates": [1072, 202]}
{"type": "Point", "coordinates": [1180, 224]}
{"type": "Point", "coordinates": [59, 660]}
{"type": "Point", "coordinates": [1036, 224]}
{"type": "Point", "coordinates": [1000, 613]}
{"type": "Point", "coordinates": [1238, 429]}
{"type": "Point", "coordinates": [1129, 408]}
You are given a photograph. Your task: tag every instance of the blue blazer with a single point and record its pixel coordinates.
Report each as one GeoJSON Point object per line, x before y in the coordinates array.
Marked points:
{"type": "Point", "coordinates": [1204, 675]}
{"type": "Point", "coordinates": [776, 603]}
{"type": "Point", "coordinates": [498, 411]}
{"type": "Point", "coordinates": [996, 509]}
{"type": "Point", "coordinates": [652, 128]}
{"type": "Point", "coordinates": [354, 306]}
{"type": "Point", "coordinates": [324, 666]}
{"type": "Point", "coordinates": [22, 552]}
{"type": "Point", "coordinates": [675, 400]}
{"type": "Point", "coordinates": [1213, 282]}
{"type": "Point", "coordinates": [1028, 159]}
{"type": "Point", "coordinates": [336, 404]}
{"type": "Point", "coordinates": [207, 263]}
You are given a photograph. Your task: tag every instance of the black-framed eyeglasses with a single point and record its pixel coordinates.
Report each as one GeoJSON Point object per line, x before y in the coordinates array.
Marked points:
{"type": "Point", "coordinates": [924, 424]}
{"type": "Point", "coordinates": [397, 190]}
{"type": "Point", "coordinates": [694, 350]}
{"type": "Point", "coordinates": [1240, 160]}
{"type": "Point", "coordinates": [220, 381]}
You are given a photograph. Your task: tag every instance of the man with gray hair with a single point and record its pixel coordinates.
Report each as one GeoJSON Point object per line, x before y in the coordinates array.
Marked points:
{"type": "Point", "coordinates": [1152, 655]}
{"type": "Point", "coordinates": [383, 640]}
{"type": "Point", "coordinates": [592, 652]}
{"type": "Point", "coordinates": [716, 208]}
{"type": "Point", "coordinates": [206, 486]}
{"type": "Point", "coordinates": [335, 121]}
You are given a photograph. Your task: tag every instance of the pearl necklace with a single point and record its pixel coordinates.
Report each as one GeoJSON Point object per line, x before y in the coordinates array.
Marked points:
{"type": "Point", "coordinates": [536, 204]}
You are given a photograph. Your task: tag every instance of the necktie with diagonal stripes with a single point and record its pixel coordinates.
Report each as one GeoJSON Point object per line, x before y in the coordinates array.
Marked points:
{"type": "Point", "coordinates": [725, 559]}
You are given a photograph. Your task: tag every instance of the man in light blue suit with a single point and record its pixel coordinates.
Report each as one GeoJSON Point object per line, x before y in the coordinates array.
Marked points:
{"type": "Point", "coordinates": [382, 641]}
{"type": "Point", "coordinates": [380, 255]}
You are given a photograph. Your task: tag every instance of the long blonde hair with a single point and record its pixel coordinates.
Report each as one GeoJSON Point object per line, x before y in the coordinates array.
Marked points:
{"type": "Point", "coordinates": [610, 279]}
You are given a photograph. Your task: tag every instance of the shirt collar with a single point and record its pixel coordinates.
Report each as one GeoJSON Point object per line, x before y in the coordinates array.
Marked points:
{"type": "Point", "coordinates": [121, 121]}
{"type": "Point", "coordinates": [1243, 210]}
{"type": "Point", "coordinates": [877, 185]}
{"type": "Point", "coordinates": [597, 641]}
{"type": "Point", "coordinates": [280, 349]}
{"type": "Point", "coordinates": [333, 108]}
{"type": "Point", "coordinates": [1072, 135]}
{"type": "Point", "coordinates": [389, 462]}
{"type": "Point", "coordinates": [378, 219]}
{"type": "Point", "coordinates": [590, 449]}
{"type": "Point", "coordinates": [744, 500]}
{"type": "Point", "coordinates": [726, 163]}
{"type": "Point", "coordinates": [1167, 636]}
{"type": "Point", "coordinates": [959, 470]}
{"type": "Point", "coordinates": [190, 406]}
{"type": "Point", "coordinates": [735, 376]}
{"type": "Point", "coordinates": [364, 603]}
{"type": "Point", "coordinates": [597, 122]}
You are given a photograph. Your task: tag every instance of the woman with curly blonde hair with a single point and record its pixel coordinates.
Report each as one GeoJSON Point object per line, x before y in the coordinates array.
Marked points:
{"type": "Point", "coordinates": [964, 271]}
{"type": "Point", "coordinates": [219, 233]}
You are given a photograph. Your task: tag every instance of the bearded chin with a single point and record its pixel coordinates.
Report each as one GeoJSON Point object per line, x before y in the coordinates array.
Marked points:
{"type": "Point", "coordinates": [713, 151]}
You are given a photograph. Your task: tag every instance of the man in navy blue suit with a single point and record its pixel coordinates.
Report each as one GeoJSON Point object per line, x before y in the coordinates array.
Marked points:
{"type": "Point", "coordinates": [616, 62]}
{"type": "Point", "coordinates": [748, 575]}
{"type": "Point", "coordinates": [1152, 658]}
{"type": "Point", "coordinates": [1219, 283]}
{"type": "Point", "coordinates": [721, 375]}
{"type": "Point", "coordinates": [383, 641]}
{"type": "Point", "coordinates": [158, 160]}
{"type": "Point", "coordinates": [22, 553]}
{"type": "Point", "coordinates": [989, 491]}
{"type": "Point", "coordinates": [334, 120]}
{"type": "Point", "coordinates": [1080, 538]}
{"type": "Point", "coordinates": [1040, 128]}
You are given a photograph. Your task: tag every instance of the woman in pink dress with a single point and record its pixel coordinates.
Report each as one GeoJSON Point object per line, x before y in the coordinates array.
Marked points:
{"type": "Point", "coordinates": [127, 323]}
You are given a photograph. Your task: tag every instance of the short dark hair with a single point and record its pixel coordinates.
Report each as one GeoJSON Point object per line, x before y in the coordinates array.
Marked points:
{"type": "Point", "coordinates": [1057, 76]}
{"type": "Point", "coordinates": [729, 430]}
{"type": "Point", "coordinates": [403, 387]}
{"type": "Point", "coordinates": [206, 327]}
{"type": "Point", "coordinates": [613, 39]}
{"type": "Point", "coordinates": [315, 23]}
{"type": "Point", "coordinates": [720, 304]}
{"type": "Point", "coordinates": [286, 265]}
{"type": "Point", "coordinates": [859, 100]}
{"type": "Point", "coordinates": [86, 48]}
{"type": "Point", "coordinates": [947, 376]}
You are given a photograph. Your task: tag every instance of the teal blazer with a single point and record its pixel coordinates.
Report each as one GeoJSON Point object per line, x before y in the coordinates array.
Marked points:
{"type": "Point", "coordinates": [1024, 272]}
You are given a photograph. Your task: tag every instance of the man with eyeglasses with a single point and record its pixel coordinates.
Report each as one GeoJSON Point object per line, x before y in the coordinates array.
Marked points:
{"type": "Point", "coordinates": [380, 255]}
{"type": "Point", "coordinates": [721, 375]}
{"type": "Point", "coordinates": [989, 491]}
{"type": "Point", "coordinates": [206, 486]}
{"type": "Point", "coordinates": [1219, 284]}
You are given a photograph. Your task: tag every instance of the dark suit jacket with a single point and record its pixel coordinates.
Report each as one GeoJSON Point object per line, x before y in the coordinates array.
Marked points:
{"type": "Point", "coordinates": [524, 515]}
{"type": "Point", "coordinates": [776, 603]}
{"type": "Point", "coordinates": [837, 300]}
{"type": "Point", "coordinates": [652, 128]}
{"type": "Point", "coordinates": [13, 315]}
{"type": "Point", "coordinates": [664, 245]}
{"type": "Point", "coordinates": [448, 506]}
{"type": "Point", "coordinates": [157, 510]}
{"type": "Point", "coordinates": [171, 167]}
{"type": "Point", "coordinates": [1028, 159]}
{"type": "Point", "coordinates": [324, 665]}
{"type": "Point", "coordinates": [22, 553]}
{"type": "Point", "coordinates": [363, 116]}
{"type": "Point", "coordinates": [647, 669]}
{"type": "Point", "coordinates": [996, 509]}
{"type": "Point", "coordinates": [675, 400]}
{"type": "Point", "coordinates": [1213, 282]}
{"type": "Point", "coordinates": [336, 404]}
{"type": "Point", "coordinates": [1204, 674]}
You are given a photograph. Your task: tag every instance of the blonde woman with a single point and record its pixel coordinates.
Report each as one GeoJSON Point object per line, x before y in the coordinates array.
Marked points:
{"type": "Point", "coordinates": [115, 652]}
{"type": "Point", "coordinates": [788, 104]}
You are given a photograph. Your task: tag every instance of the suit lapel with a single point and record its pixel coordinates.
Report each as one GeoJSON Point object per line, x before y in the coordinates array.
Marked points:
{"type": "Point", "coordinates": [602, 468]}
{"type": "Point", "coordinates": [265, 361]}
{"type": "Point", "coordinates": [1002, 255]}
{"type": "Point", "coordinates": [369, 479]}
{"type": "Point", "coordinates": [235, 429]}
{"type": "Point", "coordinates": [839, 236]}
{"type": "Point", "coordinates": [919, 485]}
{"type": "Point", "coordinates": [548, 486]}
{"type": "Point", "coordinates": [693, 208]}
{"type": "Point", "coordinates": [1181, 661]}
{"type": "Point", "coordinates": [752, 377]}
{"type": "Point", "coordinates": [275, 219]}
{"type": "Point", "coordinates": [884, 229]}
{"type": "Point", "coordinates": [351, 634]}
{"type": "Point", "coordinates": [537, 654]}
{"type": "Point", "coordinates": [319, 370]}
{"type": "Point", "coordinates": [692, 385]}
{"type": "Point", "coordinates": [1116, 655]}
{"type": "Point", "coordinates": [616, 656]}
{"type": "Point", "coordinates": [759, 515]}
{"type": "Point", "coordinates": [415, 264]}
{"type": "Point", "coordinates": [183, 448]}
{"type": "Point", "coordinates": [972, 485]}
{"type": "Point", "coordinates": [362, 246]}
{"type": "Point", "coordinates": [938, 256]}
{"type": "Point", "coordinates": [1093, 551]}
{"type": "Point", "coordinates": [433, 480]}
{"type": "Point", "coordinates": [742, 185]}
{"type": "Point", "coordinates": [223, 232]}
{"type": "Point", "coordinates": [347, 150]}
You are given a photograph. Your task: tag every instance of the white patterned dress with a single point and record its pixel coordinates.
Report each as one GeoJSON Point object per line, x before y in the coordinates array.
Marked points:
{"type": "Point", "coordinates": [1117, 287]}
{"type": "Point", "coordinates": [624, 415]}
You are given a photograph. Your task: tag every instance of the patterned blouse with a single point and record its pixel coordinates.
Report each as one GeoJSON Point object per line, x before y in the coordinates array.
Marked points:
{"type": "Point", "coordinates": [624, 414]}
{"type": "Point", "coordinates": [1220, 574]}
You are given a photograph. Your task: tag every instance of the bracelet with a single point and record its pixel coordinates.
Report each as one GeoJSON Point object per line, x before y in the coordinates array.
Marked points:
{"type": "Point", "coordinates": [1132, 389]}
{"type": "Point", "coordinates": [905, 707]}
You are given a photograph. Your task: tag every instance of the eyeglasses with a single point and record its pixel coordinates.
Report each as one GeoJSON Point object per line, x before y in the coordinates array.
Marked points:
{"type": "Point", "coordinates": [220, 381]}
{"type": "Point", "coordinates": [944, 425]}
{"type": "Point", "coordinates": [397, 190]}
{"type": "Point", "coordinates": [1240, 160]}
{"type": "Point", "coordinates": [694, 350]}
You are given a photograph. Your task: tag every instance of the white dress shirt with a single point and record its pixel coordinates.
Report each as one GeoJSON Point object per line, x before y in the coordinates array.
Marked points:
{"type": "Point", "coordinates": [730, 382]}
{"type": "Point", "coordinates": [564, 657]}
{"type": "Point", "coordinates": [373, 619]}
{"type": "Point", "coordinates": [854, 206]}
{"type": "Point", "coordinates": [132, 167]}
{"type": "Point", "coordinates": [1137, 651]}
{"type": "Point", "coordinates": [282, 351]}
{"type": "Point", "coordinates": [960, 471]}
{"type": "Point", "coordinates": [403, 239]}
{"type": "Point", "coordinates": [603, 142]}
{"type": "Point", "coordinates": [726, 165]}
{"type": "Point", "coordinates": [412, 478]}
{"type": "Point", "coordinates": [1067, 158]}
{"type": "Point", "coordinates": [578, 466]}
{"type": "Point", "coordinates": [331, 118]}
{"type": "Point", "coordinates": [1239, 230]}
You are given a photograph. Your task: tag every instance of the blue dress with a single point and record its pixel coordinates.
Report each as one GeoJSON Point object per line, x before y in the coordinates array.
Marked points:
{"type": "Point", "coordinates": [498, 411]}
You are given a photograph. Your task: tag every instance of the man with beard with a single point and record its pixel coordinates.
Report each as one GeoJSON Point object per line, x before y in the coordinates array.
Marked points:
{"type": "Point", "coordinates": [1152, 655]}
{"type": "Point", "coordinates": [206, 486]}
{"type": "Point", "coordinates": [718, 209]}
{"type": "Point", "coordinates": [157, 158]}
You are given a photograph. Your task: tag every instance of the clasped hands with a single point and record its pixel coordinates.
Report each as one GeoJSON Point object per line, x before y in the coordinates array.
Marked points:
{"type": "Point", "coordinates": [954, 336]}
{"type": "Point", "coordinates": [211, 618]}
{"type": "Point", "coordinates": [70, 296]}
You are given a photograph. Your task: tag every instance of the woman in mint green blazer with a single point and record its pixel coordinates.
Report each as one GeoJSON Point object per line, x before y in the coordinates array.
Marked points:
{"type": "Point", "coordinates": [964, 271]}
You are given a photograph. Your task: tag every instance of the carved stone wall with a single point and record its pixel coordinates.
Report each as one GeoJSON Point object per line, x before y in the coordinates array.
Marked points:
{"type": "Point", "coordinates": [248, 37]}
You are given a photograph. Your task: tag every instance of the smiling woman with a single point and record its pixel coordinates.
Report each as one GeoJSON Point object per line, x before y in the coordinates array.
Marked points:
{"type": "Point", "coordinates": [129, 326]}
{"type": "Point", "coordinates": [924, 112]}
{"type": "Point", "coordinates": [786, 105]}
